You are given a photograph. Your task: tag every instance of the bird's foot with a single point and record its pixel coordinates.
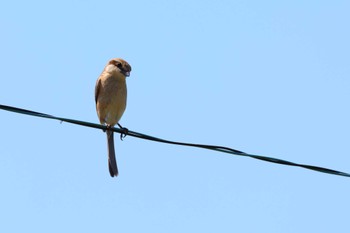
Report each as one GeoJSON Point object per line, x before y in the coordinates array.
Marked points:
{"type": "Point", "coordinates": [108, 127]}
{"type": "Point", "coordinates": [124, 132]}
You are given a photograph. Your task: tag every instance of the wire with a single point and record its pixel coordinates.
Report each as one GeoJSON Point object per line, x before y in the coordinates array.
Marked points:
{"type": "Point", "coordinates": [151, 138]}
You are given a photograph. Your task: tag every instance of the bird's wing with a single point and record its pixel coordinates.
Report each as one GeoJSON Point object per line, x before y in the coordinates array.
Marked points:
{"type": "Point", "coordinates": [97, 89]}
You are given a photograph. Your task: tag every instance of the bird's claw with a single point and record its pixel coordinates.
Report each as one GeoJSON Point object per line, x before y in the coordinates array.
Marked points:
{"type": "Point", "coordinates": [124, 132]}
{"type": "Point", "coordinates": [107, 128]}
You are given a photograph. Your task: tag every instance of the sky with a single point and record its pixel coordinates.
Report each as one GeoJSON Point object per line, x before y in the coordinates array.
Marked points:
{"type": "Point", "coordinates": [265, 77]}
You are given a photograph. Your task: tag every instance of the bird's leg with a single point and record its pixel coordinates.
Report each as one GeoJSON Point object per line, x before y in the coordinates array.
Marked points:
{"type": "Point", "coordinates": [107, 126]}
{"type": "Point", "coordinates": [124, 132]}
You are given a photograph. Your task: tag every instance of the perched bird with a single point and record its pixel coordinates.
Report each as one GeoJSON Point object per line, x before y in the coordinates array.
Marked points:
{"type": "Point", "coordinates": [110, 98]}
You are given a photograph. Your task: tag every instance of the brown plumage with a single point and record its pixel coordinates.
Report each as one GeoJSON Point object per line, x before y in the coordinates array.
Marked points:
{"type": "Point", "coordinates": [110, 98]}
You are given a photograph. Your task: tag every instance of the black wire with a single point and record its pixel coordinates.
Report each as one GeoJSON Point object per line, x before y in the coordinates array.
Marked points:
{"type": "Point", "coordinates": [151, 138]}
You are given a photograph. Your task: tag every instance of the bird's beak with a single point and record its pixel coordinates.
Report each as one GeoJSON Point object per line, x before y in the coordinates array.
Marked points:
{"type": "Point", "coordinates": [127, 74]}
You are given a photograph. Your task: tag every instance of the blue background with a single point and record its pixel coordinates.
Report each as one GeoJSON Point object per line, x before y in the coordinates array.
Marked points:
{"type": "Point", "coordinates": [265, 77]}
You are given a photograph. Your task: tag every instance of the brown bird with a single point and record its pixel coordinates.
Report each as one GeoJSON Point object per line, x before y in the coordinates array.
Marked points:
{"type": "Point", "coordinates": [110, 98]}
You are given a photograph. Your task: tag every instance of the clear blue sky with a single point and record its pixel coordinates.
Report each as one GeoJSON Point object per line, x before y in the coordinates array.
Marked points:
{"type": "Point", "coordinates": [265, 77]}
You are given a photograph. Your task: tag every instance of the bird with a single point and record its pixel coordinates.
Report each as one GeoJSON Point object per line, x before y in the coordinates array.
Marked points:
{"type": "Point", "coordinates": [110, 99]}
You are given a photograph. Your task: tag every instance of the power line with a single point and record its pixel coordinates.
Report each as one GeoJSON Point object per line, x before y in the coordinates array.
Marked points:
{"type": "Point", "coordinates": [151, 138]}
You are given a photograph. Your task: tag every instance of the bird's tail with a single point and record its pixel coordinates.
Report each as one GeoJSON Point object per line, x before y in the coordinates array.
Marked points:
{"type": "Point", "coordinates": [112, 162]}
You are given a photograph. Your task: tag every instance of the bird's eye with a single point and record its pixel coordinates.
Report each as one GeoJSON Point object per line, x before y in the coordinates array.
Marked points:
{"type": "Point", "coordinates": [119, 65]}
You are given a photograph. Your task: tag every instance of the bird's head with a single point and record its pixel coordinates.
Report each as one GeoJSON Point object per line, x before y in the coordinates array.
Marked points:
{"type": "Point", "coordinates": [118, 65]}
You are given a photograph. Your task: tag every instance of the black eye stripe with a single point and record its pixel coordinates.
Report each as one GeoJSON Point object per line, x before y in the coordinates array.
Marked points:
{"type": "Point", "coordinates": [124, 67]}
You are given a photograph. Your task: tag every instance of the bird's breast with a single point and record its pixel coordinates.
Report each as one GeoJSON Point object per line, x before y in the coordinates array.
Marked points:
{"type": "Point", "coordinates": [111, 102]}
